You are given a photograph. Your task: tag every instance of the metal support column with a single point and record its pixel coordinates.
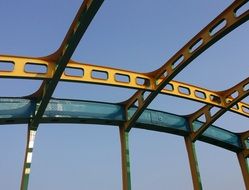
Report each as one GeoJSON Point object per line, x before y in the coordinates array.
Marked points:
{"type": "Point", "coordinates": [28, 158]}
{"type": "Point", "coordinates": [126, 177]}
{"type": "Point", "coordinates": [196, 178]}
{"type": "Point", "coordinates": [244, 168]}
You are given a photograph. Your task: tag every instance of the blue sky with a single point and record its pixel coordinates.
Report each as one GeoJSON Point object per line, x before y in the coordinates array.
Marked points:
{"type": "Point", "coordinates": [136, 35]}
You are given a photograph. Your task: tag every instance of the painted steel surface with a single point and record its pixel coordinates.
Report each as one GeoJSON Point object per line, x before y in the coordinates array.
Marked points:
{"type": "Point", "coordinates": [198, 44]}
{"type": "Point", "coordinates": [19, 111]}
{"type": "Point", "coordinates": [16, 67]}
{"type": "Point", "coordinates": [40, 107]}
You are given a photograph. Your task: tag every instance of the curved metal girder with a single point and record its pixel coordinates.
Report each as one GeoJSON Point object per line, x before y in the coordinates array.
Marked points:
{"type": "Point", "coordinates": [61, 57]}
{"type": "Point", "coordinates": [24, 110]}
{"type": "Point", "coordinates": [203, 40]}
{"type": "Point", "coordinates": [81, 22]}
{"type": "Point", "coordinates": [36, 68]}
{"type": "Point", "coordinates": [19, 110]}
{"type": "Point", "coordinates": [238, 92]}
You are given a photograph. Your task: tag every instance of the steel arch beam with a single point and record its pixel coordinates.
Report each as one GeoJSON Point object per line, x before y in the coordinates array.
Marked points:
{"type": "Point", "coordinates": [203, 40]}
{"type": "Point", "coordinates": [61, 57]}
{"type": "Point", "coordinates": [20, 110]}
{"type": "Point", "coordinates": [76, 31]}
{"type": "Point", "coordinates": [37, 68]}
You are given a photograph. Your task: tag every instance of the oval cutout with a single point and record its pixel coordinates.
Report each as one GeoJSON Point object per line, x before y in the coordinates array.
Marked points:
{"type": "Point", "coordinates": [96, 74]}
{"type": "Point", "coordinates": [235, 94]}
{"type": "Point", "coordinates": [169, 87]}
{"type": "Point", "coordinates": [177, 61]}
{"type": "Point", "coordinates": [184, 90]}
{"type": "Point", "coordinates": [241, 9]}
{"type": "Point", "coordinates": [246, 87]}
{"type": "Point", "coordinates": [218, 27]}
{"type": "Point", "coordinates": [200, 94]}
{"type": "Point", "coordinates": [142, 81]}
{"type": "Point", "coordinates": [196, 45]}
{"type": "Point", "coordinates": [122, 78]}
{"type": "Point", "coordinates": [74, 72]}
{"type": "Point", "coordinates": [35, 68]}
{"type": "Point", "coordinates": [6, 66]}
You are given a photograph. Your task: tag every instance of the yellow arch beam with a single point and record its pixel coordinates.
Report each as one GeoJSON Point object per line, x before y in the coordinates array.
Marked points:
{"type": "Point", "coordinates": [38, 68]}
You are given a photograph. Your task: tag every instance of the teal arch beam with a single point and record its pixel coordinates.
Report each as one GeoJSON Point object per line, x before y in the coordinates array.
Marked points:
{"type": "Point", "coordinates": [20, 110]}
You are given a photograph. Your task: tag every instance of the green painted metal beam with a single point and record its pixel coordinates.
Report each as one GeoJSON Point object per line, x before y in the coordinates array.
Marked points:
{"type": "Point", "coordinates": [125, 158]}
{"type": "Point", "coordinates": [17, 111]}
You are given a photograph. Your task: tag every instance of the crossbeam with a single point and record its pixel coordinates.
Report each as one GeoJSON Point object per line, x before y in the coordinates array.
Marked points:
{"type": "Point", "coordinates": [83, 73]}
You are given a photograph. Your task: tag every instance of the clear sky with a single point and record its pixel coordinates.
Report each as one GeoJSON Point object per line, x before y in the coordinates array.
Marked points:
{"type": "Point", "coordinates": [138, 35]}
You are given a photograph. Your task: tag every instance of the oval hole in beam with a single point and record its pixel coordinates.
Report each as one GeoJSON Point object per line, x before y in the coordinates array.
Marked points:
{"type": "Point", "coordinates": [6, 66]}
{"type": "Point", "coordinates": [74, 72]}
{"type": "Point", "coordinates": [218, 27]}
{"type": "Point", "coordinates": [96, 74]}
{"type": "Point", "coordinates": [35, 68]}
{"type": "Point", "coordinates": [242, 9]}
{"type": "Point", "coordinates": [122, 78]}
{"type": "Point", "coordinates": [196, 45]}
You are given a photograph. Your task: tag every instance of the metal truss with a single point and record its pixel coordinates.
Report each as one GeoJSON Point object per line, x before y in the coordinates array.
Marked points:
{"type": "Point", "coordinates": [199, 43]}
{"type": "Point", "coordinates": [238, 92]}
{"type": "Point", "coordinates": [40, 107]}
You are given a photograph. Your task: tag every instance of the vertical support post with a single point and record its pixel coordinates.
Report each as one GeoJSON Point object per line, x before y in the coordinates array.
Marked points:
{"type": "Point", "coordinates": [126, 177]}
{"type": "Point", "coordinates": [244, 168]}
{"type": "Point", "coordinates": [190, 146]}
{"type": "Point", "coordinates": [28, 158]}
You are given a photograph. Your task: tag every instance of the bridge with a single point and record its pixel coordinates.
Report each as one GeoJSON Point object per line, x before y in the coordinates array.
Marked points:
{"type": "Point", "coordinates": [40, 107]}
